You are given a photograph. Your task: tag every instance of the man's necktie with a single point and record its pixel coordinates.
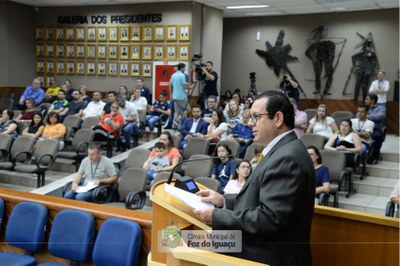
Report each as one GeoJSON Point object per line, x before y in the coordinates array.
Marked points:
{"type": "Point", "coordinates": [260, 158]}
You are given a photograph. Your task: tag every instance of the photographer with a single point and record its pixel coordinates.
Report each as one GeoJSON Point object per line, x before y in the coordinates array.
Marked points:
{"type": "Point", "coordinates": [210, 78]}
{"type": "Point", "coordinates": [289, 86]}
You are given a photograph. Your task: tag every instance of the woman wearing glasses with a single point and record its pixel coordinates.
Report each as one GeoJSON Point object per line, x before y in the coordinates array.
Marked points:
{"type": "Point", "coordinates": [243, 170]}
{"type": "Point", "coordinates": [54, 129]}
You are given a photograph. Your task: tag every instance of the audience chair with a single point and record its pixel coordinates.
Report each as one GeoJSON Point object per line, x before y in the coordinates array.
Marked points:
{"type": "Point", "coordinates": [90, 122]}
{"type": "Point", "coordinates": [117, 243]}
{"type": "Point", "coordinates": [250, 151]}
{"type": "Point", "coordinates": [177, 141]}
{"type": "Point", "coordinates": [136, 157]}
{"type": "Point", "coordinates": [310, 112]}
{"type": "Point", "coordinates": [159, 125]}
{"type": "Point", "coordinates": [21, 146]}
{"type": "Point", "coordinates": [21, 126]}
{"type": "Point", "coordinates": [162, 176]}
{"type": "Point", "coordinates": [72, 237]}
{"type": "Point", "coordinates": [5, 145]}
{"type": "Point", "coordinates": [196, 146]}
{"type": "Point", "coordinates": [44, 155]}
{"type": "Point", "coordinates": [72, 121]}
{"type": "Point", "coordinates": [313, 139]}
{"type": "Point", "coordinates": [391, 208]}
{"type": "Point", "coordinates": [6, 103]}
{"type": "Point", "coordinates": [340, 115]}
{"type": "Point", "coordinates": [7, 95]}
{"type": "Point", "coordinates": [211, 183]}
{"type": "Point", "coordinates": [44, 108]}
{"type": "Point", "coordinates": [199, 168]}
{"type": "Point", "coordinates": [233, 144]}
{"type": "Point", "coordinates": [336, 163]}
{"type": "Point", "coordinates": [25, 229]}
{"type": "Point", "coordinates": [131, 190]}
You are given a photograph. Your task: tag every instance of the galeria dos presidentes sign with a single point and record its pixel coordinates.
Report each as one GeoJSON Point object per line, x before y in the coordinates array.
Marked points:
{"type": "Point", "coordinates": [113, 19]}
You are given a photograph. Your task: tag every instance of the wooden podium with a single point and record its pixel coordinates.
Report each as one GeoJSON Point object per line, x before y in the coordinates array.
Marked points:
{"type": "Point", "coordinates": [167, 209]}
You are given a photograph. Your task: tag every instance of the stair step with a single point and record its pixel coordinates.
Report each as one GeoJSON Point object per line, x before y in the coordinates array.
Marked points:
{"type": "Point", "coordinates": [384, 169]}
{"type": "Point", "coordinates": [375, 186]}
{"type": "Point", "coordinates": [28, 180]}
{"type": "Point", "coordinates": [364, 203]}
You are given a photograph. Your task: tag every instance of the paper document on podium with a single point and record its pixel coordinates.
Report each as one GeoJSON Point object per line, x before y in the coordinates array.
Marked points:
{"type": "Point", "coordinates": [88, 187]}
{"type": "Point", "coordinates": [188, 198]}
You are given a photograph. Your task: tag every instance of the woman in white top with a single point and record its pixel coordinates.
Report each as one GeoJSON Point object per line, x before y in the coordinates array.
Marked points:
{"type": "Point", "coordinates": [322, 124]}
{"type": "Point", "coordinates": [243, 170]}
{"type": "Point", "coordinates": [380, 87]}
{"type": "Point", "coordinates": [217, 130]}
{"type": "Point", "coordinates": [139, 102]}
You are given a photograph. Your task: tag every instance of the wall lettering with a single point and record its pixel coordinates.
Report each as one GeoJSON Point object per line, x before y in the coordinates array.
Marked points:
{"type": "Point", "coordinates": [113, 19]}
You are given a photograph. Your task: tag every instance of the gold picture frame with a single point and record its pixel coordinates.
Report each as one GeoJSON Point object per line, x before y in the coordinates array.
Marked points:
{"type": "Point", "coordinates": [184, 52]}
{"type": "Point", "coordinates": [170, 52]}
{"type": "Point", "coordinates": [40, 50]}
{"type": "Point", "coordinates": [80, 33]}
{"type": "Point", "coordinates": [50, 36]}
{"type": "Point", "coordinates": [184, 32]}
{"type": "Point", "coordinates": [147, 52]}
{"type": "Point", "coordinates": [91, 68]}
{"type": "Point", "coordinates": [135, 52]}
{"type": "Point", "coordinates": [102, 34]}
{"type": "Point", "coordinates": [123, 52]}
{"type": "Point", "coordinates": [159, 33]}
{"type": "Point", "coordinates": [49, 78]}
{"type": "Point", "coordinates": [147, 70]}
{"type": "Point", "coordinates": [147, 33]}
{"type": "Point", "coordinates": [112, 34]}
{"type": "Point", "coordinates": [70, 68]}
{"type": "Point", "coordinates": [60, 33]}
{"type": "Point", "coordinates": [80, 68]}
{"type": "Point", "coordinates": [113, 52]}
{"type": "Point", "coordinates": [60, 50]}
{"type": "Point", "coordinates": [70, 33]}
{"type": "Point", "coordinates": [49, 50]}
{"type": "Point", "coordinates": [124, 34]}
{"type": "Point", "coordinates": [124, 69]}
{"type": "Point", "coordinates": [60, 67]}
{"type": "Point", "coordinates": [101, 68]}
{"type": "Point", "coordinates": [40, 67]}
{"type": "Point", "coordinates": [91, 51]}
{"type": "Point", "coordinates": [171, 33]}
{"type": "Point", "coordinates": [135, 69]}
{"type": "Point", "coordinates": [136, 33]}
{"type": "Point", "coordinates": [112, 69]}
{"type": "Point", "coordinates": [70, 50]}
{"type": "Point", "coordinates": [40, 33]}
{"type": "Point", "coordinates": [101, 51]}
{"type": "Point", "coordinates": [50, 67]}
{"type": "Point", "coordinates": [80, 51]}
{"type": "Point", "coordinates": [158, 52]}
{"type": "Point", "coordinates": [91, 34]}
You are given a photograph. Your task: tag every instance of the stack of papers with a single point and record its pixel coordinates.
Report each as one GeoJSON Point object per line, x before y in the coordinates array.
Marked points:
{"type": "Point", "coordinates": [91, 185]}
{"type": "Point", "coordinates": [188, 198]}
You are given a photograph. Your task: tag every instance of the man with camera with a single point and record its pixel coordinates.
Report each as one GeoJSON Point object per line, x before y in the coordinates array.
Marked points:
{"type": "Point", "coordinates": [289, 86]}
{"type": "Point", "coordinates": [210, 78]}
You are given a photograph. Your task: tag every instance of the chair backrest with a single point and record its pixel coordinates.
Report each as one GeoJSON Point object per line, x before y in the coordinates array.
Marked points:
{"type": "Point", "coordinates": [90, 122]}
{"type": "Point", "coordinates": [72, 235]}
{"type": "Point", "coordinates": [335, 161]}
{"type": "Point", "coordinates": [177, 141]}
{"type": "Point", "coordinates": [48, 147]}
{"type": "Point", "coordinates": [133, 179]}
{"type": "Point", "coordinates": [5, 143]}
{"type": "Point", "coordinates": [200, 168]}
{"type": "Point", "coordinates": [164, 176]}
{"type": "Point", "coordinates": [313, 139]}
{"type": "Point", "coordinates": [233, 144]}
{"type": "Point", "coordinates": [81, 136]}
{"type": "Point", "coordinates": [6, 103]}
{"type": "Point", "coordinates": [251, 151]}
{"type": "Point", "coordinates": [22, 144]}
{"type": "Point", "coordinates": [196, 146]}
{"type": "Point", "coordinates": [22, 126]}
{"type": "Point", "coordinates": [211, 183]}
{"type": "Point", "coordinates": [72, 121]}
{"type": "Point", "coordinates": [27, 226]}
{"type": "Point", "coordinates": [117, 243]}
{"type": "Point", "coordinates": [310, 112]}
{"type": "Point", "coordinates": [7, 95]}
{"type": "Point", "coordinates": [142, 116]}
{"type": "Point", "coordinates": [136, 157]}
{"type": "Point", "coordinates": [340, 115]}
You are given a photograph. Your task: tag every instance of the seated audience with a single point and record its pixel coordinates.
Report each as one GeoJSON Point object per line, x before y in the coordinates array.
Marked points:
{"type": "Point", "coordinates": [112, 97]}
{"type": "Point", "coordinates": [248, 102]}
{"type": "Point", "coordinates": [34, 91]}
{"type": "Point", "coordinates": [94, 108]}
{"type": "Point", "coordinates": [171, 152]}
{"type": "Point", "coordinates": [110, 125]}
{"type": "Point", "coordinates": [130, 116]}
{"type": "Point", "coordinates": [322, 180]}
{"type": "Point", "coordinates": [227, 98]}
{"type": "Point", "coordinates": [395, 196]}
{"type": "Point", "coordinates": [191, 127]}
{"type": "Point", "coordinates": [363, 126]}
{"type": "Point", "coordinates": [380, 87]}
{"type": "Point", "coordinates": [123, 92]}
{"type": "Point", "coordinates": [224, 165]}
{"type": "Point", "coordinates": [54, 129]}
{"type": "Point", "coordinates": [52, 91]}
{"type": "Point", "coordinates": [84, 96]}
{"type": "Point", "coordinates": [242, 132]}
{"type": "Point", "coordinates": [96, 169]}
{"type": "Point", "coordinates": [29, 112]}
{"type": "Point", "coordinates": [237, 98]}
{"type": "Point", "coordinates": [257, 158]}
{"type": "Point", "coordinates": [7, 124]}
{"type": "Point", "coordinates": [233, 115]}
{"type": "Point", "coordinates": [140, 102]}
{"type": "Point", "coordinates": [322, 124]}
{"type": "Point", "coordinates": [300, 119]}
{"type": "Point", "coordinates": [158, 162]}
{"type": "Point", "coordinates": [69, 90]}
{"type": "Point", "coordinates": [60, 104]}
{"type": "Point", "coordinates": [212, 105]}
{"type": "Point", "coordinates": [36, 127]}
{"type": "Point", "coordinates": [243, 170]}
{"type": "Point", "coordinates": [159, 108]}
{"type": "Point", "coordinates": [217, 129]}
{"type": "Point", "coordinates": [346, 141]}
{"type": "Point", "coordinates": [74, 107]}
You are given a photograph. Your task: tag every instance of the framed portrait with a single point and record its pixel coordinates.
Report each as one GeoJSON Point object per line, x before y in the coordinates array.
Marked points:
{"type": "Point", "coordinates": [80, 68]}
{"type": "Point", "coordinates": [60, 50]}
{"type": "Point", "coordinates": [146, 69]}
{"type": "Point", "coordinates": [123, 52]}
{"type": "Point", "coordinates": [158, 34]}
{"type": "Point", "coordinates": [50, 33]}
{"type": "Point", "coordinates": [41, 78]}
{"type": "Point", "coordinates": [91, 34]}
{"type": "Point", "coordinates": [147, 52]}
{"type": "Point", "coordinates": [135, 69]}
{"type": "Point", "coordinates": [124, 33]}
{"type": "Point", "coordinates": [60, 33]}
{"type": "Point", "coordinates": [39, 49]}
{"type": "Point", "coordinates": [113, 51]}
{"type": "Point", "coordinates": [80, 51]}
{"type": "Point", "coordinates": [39, 33]}
{"type": "Point", "coordinates": [70, 68]}
{"type": "Point", "coordinates": [171, 33]}
{"type": "Point", "coordinates": [183, 52]}
{"type": "Point", "coordinates": [136, 33]}
{"type": "Point", "coordinates": [80, 33]}
{"type": "Point", "coordinates": [70, 50]}
{"type": "Point", "coordinates": [70, 33]}
{"type": "Point", "coordinates": [90, 51]}
{"type": "Point", "coordinates": [158, 52]}
{"type": "Point", "coordinates": [40, 66]}
{"type": "Point", "coordinates": [112, 34]}
{"type": "Point", "coordinates": [49, 50]}
{"type": "Point", "coordinates": [170, 52]}
{"type": "Point", "coordinates": [50, 68]}
{"type": "Point", "coordinates": [60, 67]}
{"type": "Point", "coordinates": [102, 69]}
{"type": "Point", "coordinates": [147, 33]}
{"type": "Point", "coordinates": [123, 69]}
{"type": "Point", "coordinates": [112, 69]}
{"type": "Point", "coordinates": [48, 80]}
{"type": "Point", "coordinates": [91, 68]}
{"type": "Point", "coordinates": [184, 32]}
{"type": "Point", "coordinates": [102, 34]}
{"type": "Point", "coordinates": [101, 51]}
{"type": "Point", "coordinates": [135, 52]}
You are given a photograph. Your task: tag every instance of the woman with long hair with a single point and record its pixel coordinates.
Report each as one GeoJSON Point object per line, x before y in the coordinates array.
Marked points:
{"type": "Point", "coordinates": [7, 124]}
{"type": "Point", "coordinates": [234, 115]}
{"type": "Point", "coordinates": [29, 112]}
{"type": "Point", "coordinates": [322, 124]}
{"type": "Point", "coordinates": [217, 129]}
{"type": "Point", "coordinates": [322, 180]}
{"type": "Point", "coordinates": [242, 172]}
{"type": "Point", "coordinates": [36, 127]}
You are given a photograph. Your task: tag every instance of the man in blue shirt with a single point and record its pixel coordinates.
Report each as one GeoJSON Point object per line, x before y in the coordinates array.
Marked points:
{"type": "Point", "coordinates": [242, 132]}
{"type": "Point", "coordinates": [177, 86]}
{"type": "Point", "coordinates": [34, 91]}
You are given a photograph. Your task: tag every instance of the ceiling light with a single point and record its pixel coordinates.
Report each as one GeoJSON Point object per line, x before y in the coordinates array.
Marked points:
{"type": "Point", "coordinates": [247, 7]}
{"type": "Point", "coordinates": [338, 9]}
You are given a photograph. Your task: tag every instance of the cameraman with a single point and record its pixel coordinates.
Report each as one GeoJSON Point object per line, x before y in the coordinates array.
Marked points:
{"type": "Point", "coordinates": [210, 78]}
{"type": "Point", "coordinates": [289, 86]}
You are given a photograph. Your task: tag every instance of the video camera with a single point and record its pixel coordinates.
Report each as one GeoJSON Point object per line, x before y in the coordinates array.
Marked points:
{"type": "Point", "coordinates": [199, 71]}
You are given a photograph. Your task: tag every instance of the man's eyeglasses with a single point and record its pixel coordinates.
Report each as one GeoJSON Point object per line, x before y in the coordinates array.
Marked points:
{"type": "Point", "coordinates": [255, 117]}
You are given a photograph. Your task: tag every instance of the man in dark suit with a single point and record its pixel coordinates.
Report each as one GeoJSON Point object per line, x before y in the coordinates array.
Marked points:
{"type": "Point", "coordinates": [193, 127]}
{"type": "Point", "coordinates": [274, 209]}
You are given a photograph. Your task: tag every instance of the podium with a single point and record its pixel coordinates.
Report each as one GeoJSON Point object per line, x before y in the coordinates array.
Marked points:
{"type": "Point", "coordinates": [169, 210]}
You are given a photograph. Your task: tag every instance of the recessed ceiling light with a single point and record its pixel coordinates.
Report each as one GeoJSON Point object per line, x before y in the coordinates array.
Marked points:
{"type": "Point", "coordinates": [247, 7]}
{"type": "Point", "coordinates": [338, 9]}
